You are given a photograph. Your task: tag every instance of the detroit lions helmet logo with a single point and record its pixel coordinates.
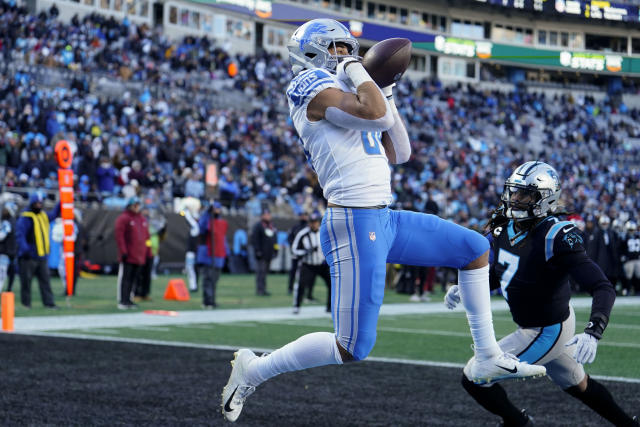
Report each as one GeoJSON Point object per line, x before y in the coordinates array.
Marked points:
{"type": "Point", "coordinates": [313, 29]}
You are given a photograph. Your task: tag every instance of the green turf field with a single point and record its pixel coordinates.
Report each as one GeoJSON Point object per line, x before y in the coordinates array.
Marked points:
{"type": "Point", "coordinates": [440, 337]}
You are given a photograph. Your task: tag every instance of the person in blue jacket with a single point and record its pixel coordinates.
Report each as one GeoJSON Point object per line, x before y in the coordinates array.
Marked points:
{"type": "Point", "coordinates": [32, 238]}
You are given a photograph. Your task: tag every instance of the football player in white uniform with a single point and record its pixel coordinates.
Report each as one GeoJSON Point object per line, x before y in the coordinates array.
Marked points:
{"type": "Point", "coordinates": [351, 130]}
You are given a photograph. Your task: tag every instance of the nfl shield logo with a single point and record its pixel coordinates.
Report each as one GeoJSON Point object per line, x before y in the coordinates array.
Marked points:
{"type": "Point", "coordinates": [372, 236]}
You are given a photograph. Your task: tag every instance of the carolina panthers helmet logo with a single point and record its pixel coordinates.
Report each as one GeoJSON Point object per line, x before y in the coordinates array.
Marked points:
{"type": "Point", "coordinates": [554, 176]}
{"type": "Point", "coordinates": [572, 239]}
{"type": "Point", "coordinates": [310, 31]}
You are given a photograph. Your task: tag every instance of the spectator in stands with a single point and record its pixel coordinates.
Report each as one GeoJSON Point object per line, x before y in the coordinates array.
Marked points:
{"type": "Point", "coordinates": [603, 249]}
{"type": "Point", "coordinates": [194, 186]}
{"type": "Point", "coordinates": [263, 240]}
{"type": "Point", "coordinates": [213, 229]}
{"type": "Point", "coordinates": [132, 238]}
{"type": "Point", "coordinates": [106, 175]}
{"type": "Point", "coordinates": [8, 249]}
{"type": "Point", "coordinates": [32, 237]}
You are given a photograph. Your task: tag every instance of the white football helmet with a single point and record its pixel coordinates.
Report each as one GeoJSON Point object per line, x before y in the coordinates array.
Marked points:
{"type": "Point", "coordinates": [631, 226]}
{"type": "Point", "coordinates": [532, 191]}
{"type": "Point", "coordinates": [309, 45]}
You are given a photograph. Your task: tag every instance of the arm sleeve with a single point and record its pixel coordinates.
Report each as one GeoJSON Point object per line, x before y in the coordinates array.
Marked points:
{"type": "Point", "coordinates": [296, 248]}
{"type": "Point", "coordinates": [590, 277]}
{"type": "Point", "coordinates": [54, 213]}
{"type": "Point", "coordinates": [120, 232]}
{"type": "Point", "coordinates": [22, 228]}
{"type": "Point", "coordinates": [5, 229]}
{"type": "Point", "coordinates": [349, 121]}
{"type": "Point", "coordinates": [565, 245]}
{"type": "Point", "coordinates": [494, 280]}
{"type": "Point", "coordinates": [193, 224]}
{"type": "Point", "coordinates": [256, 240]}
{"type": "Point", "coordinates": [398, 135]}
{"type": "Point", "coordinates": [203, 223]}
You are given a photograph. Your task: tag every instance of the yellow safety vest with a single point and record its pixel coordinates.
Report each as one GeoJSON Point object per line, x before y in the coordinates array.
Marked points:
{"type": "Point", "coordinates": [40, 230]}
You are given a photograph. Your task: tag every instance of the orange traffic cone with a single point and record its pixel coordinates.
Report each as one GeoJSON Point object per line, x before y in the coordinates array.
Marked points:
{"type": "Point", "coordinates": [176, 290]}
{"type": "Point", "coordinates": [7, 304]}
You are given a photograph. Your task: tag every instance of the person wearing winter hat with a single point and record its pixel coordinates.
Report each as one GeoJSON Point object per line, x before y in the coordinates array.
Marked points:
{"type": "Point", "coordinates": [134, 247]}
{"type": "Point", "coordinates": [32, 238]}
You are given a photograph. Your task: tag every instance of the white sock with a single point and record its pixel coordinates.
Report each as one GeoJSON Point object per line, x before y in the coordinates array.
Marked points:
{"type": "Point", "coordinates": [475, 295]}
{"type": "Point", "coordinates": [308, 351]}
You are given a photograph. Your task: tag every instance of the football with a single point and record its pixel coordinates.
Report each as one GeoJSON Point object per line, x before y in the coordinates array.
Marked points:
{"type": "Point", "coordinates": [387, 60]}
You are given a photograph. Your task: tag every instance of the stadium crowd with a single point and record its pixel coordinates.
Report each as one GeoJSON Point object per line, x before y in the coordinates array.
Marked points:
{"type": "Point", "coordinates": [465, 140]}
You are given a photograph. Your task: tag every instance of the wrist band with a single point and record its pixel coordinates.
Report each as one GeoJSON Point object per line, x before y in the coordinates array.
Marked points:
{"type": "Point", "coordinates": [357, 73]}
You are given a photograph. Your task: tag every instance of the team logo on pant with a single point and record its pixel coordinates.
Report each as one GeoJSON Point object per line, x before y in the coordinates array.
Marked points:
{"type": "Point", "coordinates": [372, 236]}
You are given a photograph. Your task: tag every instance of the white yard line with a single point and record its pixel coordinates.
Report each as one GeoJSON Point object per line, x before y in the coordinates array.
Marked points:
{"type": "Point", "coordinates": [120, 320]}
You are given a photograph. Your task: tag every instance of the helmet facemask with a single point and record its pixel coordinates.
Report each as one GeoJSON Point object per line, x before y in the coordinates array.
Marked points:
{"type": "Point", "coordinates": [531, 192]}
{"type": "Point", "coordinates": [309, 46]}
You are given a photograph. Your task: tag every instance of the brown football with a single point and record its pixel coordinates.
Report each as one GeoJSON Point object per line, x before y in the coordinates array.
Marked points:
{"type": "Point", "coordinates": [387, 60]}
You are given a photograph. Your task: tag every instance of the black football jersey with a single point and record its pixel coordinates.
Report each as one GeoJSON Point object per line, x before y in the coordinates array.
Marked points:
{"type": "Point", "coordinates": [525, 266]}
{"type": "Point", "coordinates": [631, 248]}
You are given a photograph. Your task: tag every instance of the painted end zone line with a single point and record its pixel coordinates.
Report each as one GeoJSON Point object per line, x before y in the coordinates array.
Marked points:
{"type": "Point", "coordinates": [267, 350]}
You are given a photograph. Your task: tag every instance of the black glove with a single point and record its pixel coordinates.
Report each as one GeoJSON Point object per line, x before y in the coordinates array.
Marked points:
{"type": "Point", "coordinates": [498, 219]}
{"type": "Point", "coordinates": [258, 255]}
{"type": "Point", "coordinates": [124, 257]}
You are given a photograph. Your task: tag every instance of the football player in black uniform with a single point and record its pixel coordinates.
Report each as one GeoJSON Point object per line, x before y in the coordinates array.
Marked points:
{"type": "Point", "coordinates": [533, 255]}
{"type": "Point", "coordinates": [631, 259]}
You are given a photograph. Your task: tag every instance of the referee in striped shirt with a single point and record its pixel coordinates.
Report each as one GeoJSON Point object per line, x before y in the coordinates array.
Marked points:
{"type": "Point", "coordinates": [306, 246]}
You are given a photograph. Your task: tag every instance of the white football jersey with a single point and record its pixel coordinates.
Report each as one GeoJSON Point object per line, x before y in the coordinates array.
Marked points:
{"type": "Point", "coordinates": [352, 167]}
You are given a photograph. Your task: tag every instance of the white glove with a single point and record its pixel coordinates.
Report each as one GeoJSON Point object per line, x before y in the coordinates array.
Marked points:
{"type": "Point", "coordinates": [452, 298]}
{"type": "Point", "coordinates": [586, 347]}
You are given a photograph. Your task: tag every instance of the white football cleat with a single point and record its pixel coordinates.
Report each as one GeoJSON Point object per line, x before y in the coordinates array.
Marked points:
{"type": "Point", "coordinates": [499, 368]}
{"type": "Point", "coordinates": [237, 390]}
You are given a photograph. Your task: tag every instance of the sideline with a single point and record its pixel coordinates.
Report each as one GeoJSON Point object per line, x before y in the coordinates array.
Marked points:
{"type": "Point", "coordinates": [267, 350]}
{"type": "Point", "coordinates": [140, 319]}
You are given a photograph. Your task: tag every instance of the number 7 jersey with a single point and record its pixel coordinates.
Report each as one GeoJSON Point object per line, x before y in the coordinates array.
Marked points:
{"type": "Point", "coordinates": [352, 166]}
{"type": "Point", "coordinates": [529, 268]}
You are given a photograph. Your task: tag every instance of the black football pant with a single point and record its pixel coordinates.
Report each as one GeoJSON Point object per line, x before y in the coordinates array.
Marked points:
{"type": "Point", "coordinates": [308, 274]}
{"type": "Point", "coordinates": [127, 277]}
{"type": "Point", "coordinates": [210, 276]}
{"type": "Point", "coordinates": [292, 273]}
{"type": "Point", "coordinates": [11, 273]}
{"type": "Point", "coordinates": [262, 268]}
{"type": "Point", "coordinates": [38, 267]}
{"type": "Point", "coordinates": [143, 284]}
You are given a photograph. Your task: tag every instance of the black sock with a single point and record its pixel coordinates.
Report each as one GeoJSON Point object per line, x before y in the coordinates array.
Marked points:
{"type": "Point", "coordinates": [598, 398]}
{"type": "Point", "coordinates": [494, 399]}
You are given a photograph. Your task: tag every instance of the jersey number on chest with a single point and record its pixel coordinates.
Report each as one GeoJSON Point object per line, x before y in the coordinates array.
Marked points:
{"type": "Point", "coordinates": [510, 262]}
{"type": "Point", "coordinates": [371, 142]}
